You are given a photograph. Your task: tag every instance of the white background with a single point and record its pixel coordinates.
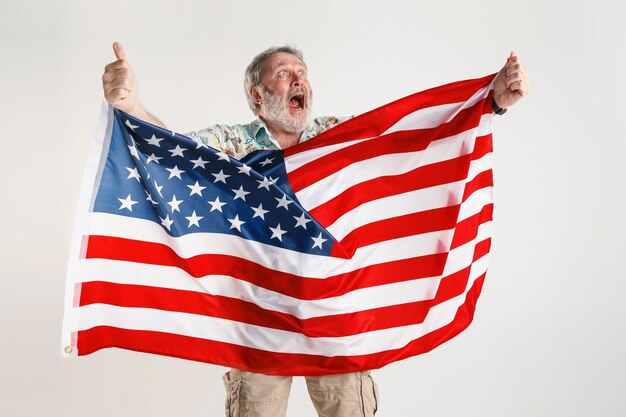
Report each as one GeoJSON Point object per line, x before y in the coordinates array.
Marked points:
{"type": "Point", "coordinates": [549, 333]}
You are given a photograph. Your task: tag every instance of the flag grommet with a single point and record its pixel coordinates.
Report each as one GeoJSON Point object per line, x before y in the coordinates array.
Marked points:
{"type": "Point", "coordinates": [68, 349]}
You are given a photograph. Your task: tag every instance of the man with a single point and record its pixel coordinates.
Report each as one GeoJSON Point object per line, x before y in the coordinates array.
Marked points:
{"type": "Point", "coordinates": [279, 93]}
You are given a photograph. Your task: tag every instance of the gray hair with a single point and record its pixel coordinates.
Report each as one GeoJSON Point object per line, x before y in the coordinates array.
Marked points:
{"type": "Point", "coordinates": [255, 70]}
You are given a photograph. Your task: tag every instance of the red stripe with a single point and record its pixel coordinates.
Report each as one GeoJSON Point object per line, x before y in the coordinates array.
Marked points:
{"type": "Point", "coordinates": [396, 227]}
{"type": "Point", "coordinates": [416, 223]}
{"type": "Point", "coordinates": [289, 284]}
{"type": "Point", "coordinates": [467, 229]}
{"type": "Point", "coordinates": [482, 180]}
{"type": "Point", "coordinates": [376, 122]}
{"type": "Point", "coordinates": [482, 249]}
{"type": "Point", "coordinates": [394, 143]}
{"type": "Point", "coordinates": [338, 325]}
{"type": "Point", "coordinates": [266, 362]}
{"type": "Point", "coordinates": [422, 177]}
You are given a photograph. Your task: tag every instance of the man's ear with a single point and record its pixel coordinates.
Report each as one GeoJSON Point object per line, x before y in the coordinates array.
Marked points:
{"type": "Point", "coordinates": [256, 95]}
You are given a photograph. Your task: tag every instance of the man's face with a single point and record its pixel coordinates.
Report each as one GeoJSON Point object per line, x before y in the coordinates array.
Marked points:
{"type": "Point", "coordinates": [285, 93]}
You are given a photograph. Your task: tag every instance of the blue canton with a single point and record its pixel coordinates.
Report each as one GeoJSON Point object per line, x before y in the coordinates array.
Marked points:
{"type": "Point", "coordinates": [186, 187]}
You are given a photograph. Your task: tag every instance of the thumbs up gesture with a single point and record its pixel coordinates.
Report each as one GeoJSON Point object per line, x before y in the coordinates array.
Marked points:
{"type": "Point", "coordinates": [119, 83]}
{"type": "Point", "coordinates": [511, 83]}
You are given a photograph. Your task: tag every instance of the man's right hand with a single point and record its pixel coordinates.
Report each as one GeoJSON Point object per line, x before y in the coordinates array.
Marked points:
{"type": "Point", "coordinates": [120, 85]}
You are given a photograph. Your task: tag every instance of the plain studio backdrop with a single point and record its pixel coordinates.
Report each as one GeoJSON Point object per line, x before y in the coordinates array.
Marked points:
{"type": "Point", "coordinates": [548, 338]}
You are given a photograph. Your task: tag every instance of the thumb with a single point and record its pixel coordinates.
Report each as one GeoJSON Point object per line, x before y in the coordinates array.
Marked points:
{"type": "Point", "coordinates": [513, 55]}
{"type": "Point", "coordinates": [120, 53]}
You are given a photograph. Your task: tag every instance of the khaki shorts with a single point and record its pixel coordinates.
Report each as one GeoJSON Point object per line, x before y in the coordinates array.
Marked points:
{"type": "Point", "coordinates": [249, 394]}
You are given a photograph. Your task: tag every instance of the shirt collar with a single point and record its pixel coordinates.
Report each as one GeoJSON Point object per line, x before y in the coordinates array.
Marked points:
{"type": "Point", "coordinates": [258, 130]}
{"type": "Point", "coordinates": [261, 133]}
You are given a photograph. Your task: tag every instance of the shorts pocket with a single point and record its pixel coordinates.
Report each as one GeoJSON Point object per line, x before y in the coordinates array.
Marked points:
{"type": "Point", "coordinates": [369, 391]}
{"type": "Point", "coordinates": [232, 383]}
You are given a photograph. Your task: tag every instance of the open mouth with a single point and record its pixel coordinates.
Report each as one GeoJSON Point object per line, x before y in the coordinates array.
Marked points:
{"type": "Point", "coordinates": [296, 102]}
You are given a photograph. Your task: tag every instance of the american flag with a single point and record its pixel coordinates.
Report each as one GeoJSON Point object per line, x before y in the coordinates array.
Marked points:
{"type": "Point", "coordinates": [363, 246]}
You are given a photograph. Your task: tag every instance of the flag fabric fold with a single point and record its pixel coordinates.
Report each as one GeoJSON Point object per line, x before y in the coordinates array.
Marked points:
{"type": "Point", "coordinates": [365, 245]}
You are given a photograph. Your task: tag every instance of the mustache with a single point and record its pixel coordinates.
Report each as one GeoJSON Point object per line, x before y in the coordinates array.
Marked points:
{"type": "Point", "coordinates": [296, 90]}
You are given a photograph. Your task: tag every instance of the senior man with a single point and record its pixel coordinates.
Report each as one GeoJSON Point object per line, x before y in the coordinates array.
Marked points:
{"type": "Point", "coordinates": [279, 94]}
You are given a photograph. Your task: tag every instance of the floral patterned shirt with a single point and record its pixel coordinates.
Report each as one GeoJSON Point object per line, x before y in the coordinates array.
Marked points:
{"type": "Point", "coordinates": [239, 140]}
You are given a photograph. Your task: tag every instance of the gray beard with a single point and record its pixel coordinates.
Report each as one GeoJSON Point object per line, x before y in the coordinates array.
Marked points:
{"type": "Point", "coordinates": [276, 111]}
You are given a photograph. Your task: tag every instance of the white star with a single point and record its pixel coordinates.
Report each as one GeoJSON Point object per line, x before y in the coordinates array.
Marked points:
{"type": "Point", "coordinates": [149, 198]}
{"type": "Point", "coordinates": [133, 150]}
{"type": "Point", "coordinates": [216, 204]}
{"type": "Point", "coordinates": [200, 144]}
{"type": "Point", "coordinates": [177, 151]}
{"type": "Point", "coordinates": [223, 156]}
{"type": "Point", "coordinates": [240, 193]}
{"type": "Point", "coordinates": [158, 188]}
{"type": "Point", "coordinates": [174, 203]}
{"type": "Point", "coordinates": [265, 183]}
{"type": "Point", "coordinates": [283, 202]}
{"type": "Point", "coordinates": [133, 174]}
{"type": "Point", "coordinates": [167, 222]}
{"type": "Point", "coordinates": [154, 141]}
{"type": "Point", "coordinates": [267, 161]}
{"type": "Point", "coordinates": [196, 189]}
{"type": "Point", "coordinates": [277, 232]}
{"type": "Point", "coordinates": [127, 203]}
{"type": "Point", "coordinates": [130, 125]}
{"type": "Point", "coordinates": [175, 172]}
{"type": "Point", "coordinates": [259, 212]}
{"type": "Point", "coordinates": [193, 219]}
{"type": "Point", "coordinates": [236, 223]}
{"type": "Point", "coordinates": [154, 158]}
{"type": "Point", "coordinates": [301, 221]}
{"type": "Point", "coordinates": [199, 162]}
{"type": "Point", "coordinates": [318, 241]}
{"type": "Point", "coordinates": [244, 169]}
{"type": "Point", "coordinates": [220, 176]}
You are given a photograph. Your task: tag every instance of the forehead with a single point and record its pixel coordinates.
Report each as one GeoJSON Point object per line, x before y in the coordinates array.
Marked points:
{"type": "Point", "coordinates": [282, 58]}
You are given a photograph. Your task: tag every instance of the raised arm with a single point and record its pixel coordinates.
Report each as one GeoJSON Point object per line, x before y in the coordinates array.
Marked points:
{"type": "Point", "coordinates": [120, 87]}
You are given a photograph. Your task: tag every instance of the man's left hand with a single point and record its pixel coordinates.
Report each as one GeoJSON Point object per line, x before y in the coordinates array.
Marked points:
{"type": "Point", "coordinates": [511, 83]}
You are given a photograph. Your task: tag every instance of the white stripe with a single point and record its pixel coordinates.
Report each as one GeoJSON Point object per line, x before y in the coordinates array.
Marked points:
{"type": "Point", "coordinates": [436, 115]}
{"type": "Point", "coordinates": [300, 159]}
{"type": "Point", "coordinates": [122, 272]}
{"type": "Point", "coordinates": [445, 195]}
{"type": "Point", "coordinates": [272, 257]}
{"type": "Point", "coordinates": [475, 203]}
{"type": "Point", "coordinates": [274, 340]}
{"type": "Point", "coordinates": [391, 164]}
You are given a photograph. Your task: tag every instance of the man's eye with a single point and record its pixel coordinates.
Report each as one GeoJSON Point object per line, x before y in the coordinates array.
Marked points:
{"type": "Point", "coordinates": [302, 74]}
{"type": "Point", "coordinates": [282, 74]}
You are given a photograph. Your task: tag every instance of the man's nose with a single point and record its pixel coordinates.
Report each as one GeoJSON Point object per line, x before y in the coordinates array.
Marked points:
{"type": "Point", "coordinates": [297, 81]}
